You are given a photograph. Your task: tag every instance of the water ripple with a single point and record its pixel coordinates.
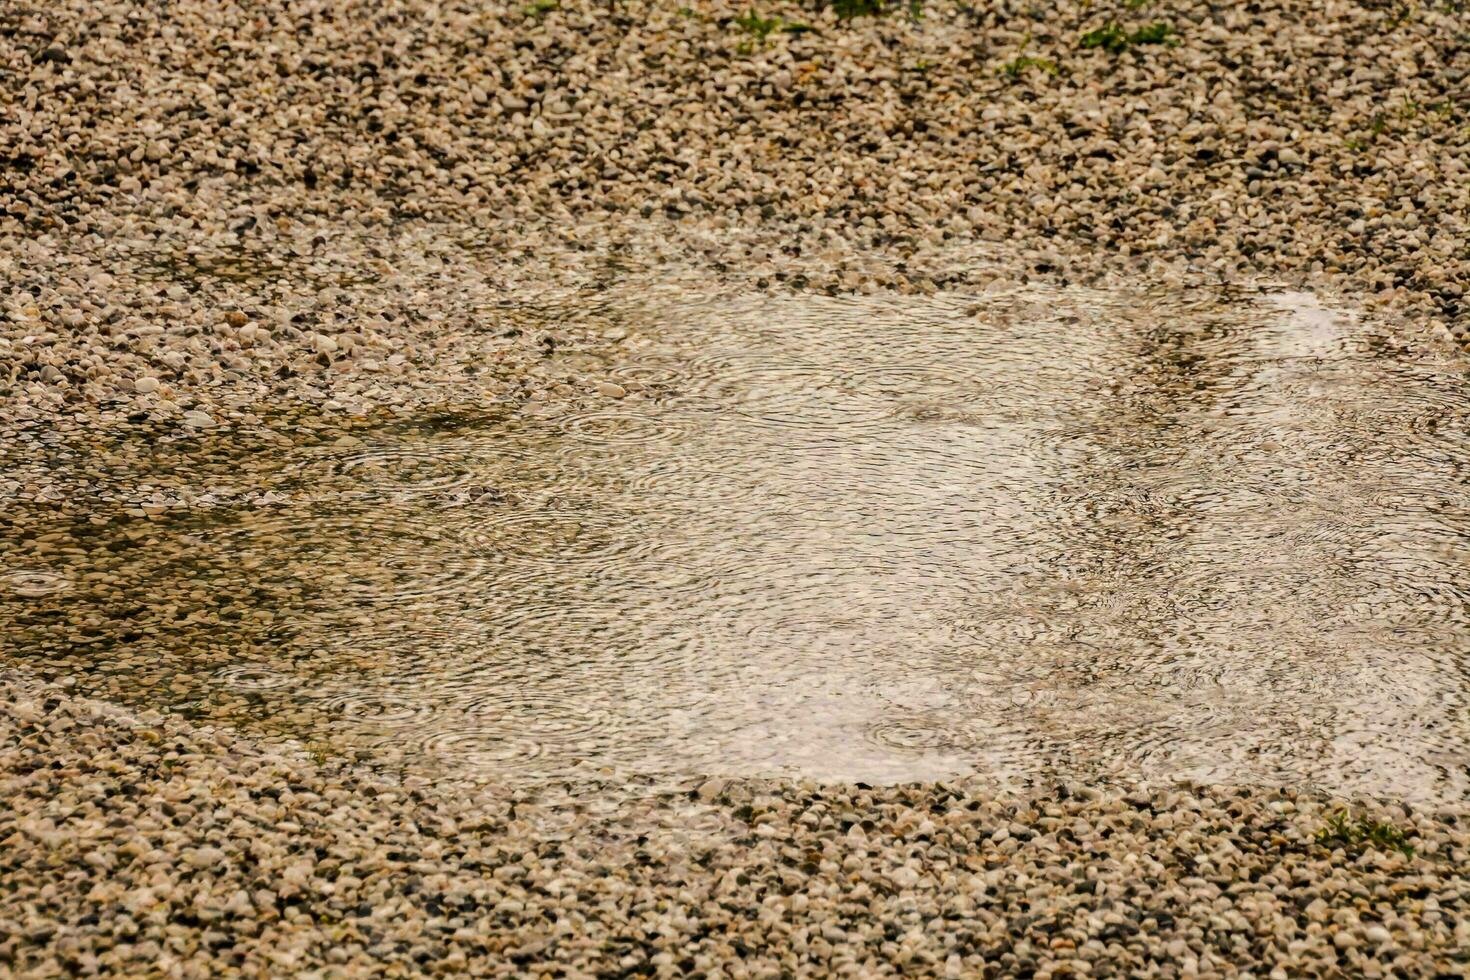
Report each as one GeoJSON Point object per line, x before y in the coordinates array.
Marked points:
{"type": "Point", "coordinates": [421, 469]}
{"type": "Point", "coordinates": [254, 677]}
{"type": "Point", "coordinates": [625, 428]}
{"type": "Point", "coordinates": [489, 751]}
{"type": "Point", "coordinates": [1134, 533]}
{"type": "Point", "coordinates": [378, 707]}
{"type": "Point", "coordinates": [33, 583]}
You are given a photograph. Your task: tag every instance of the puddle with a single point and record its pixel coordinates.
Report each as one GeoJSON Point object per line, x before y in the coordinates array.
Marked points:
{"type": "Point", "coordinates": [1207, 536]}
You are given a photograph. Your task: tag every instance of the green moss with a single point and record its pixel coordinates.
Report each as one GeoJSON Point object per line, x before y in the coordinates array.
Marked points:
{"type": "Point", "coordinates": [759, 28]}
{"type": "Point", "coordinates": [1158, 32]}
{"type": "Point", "coordinates": [1017, 67]}
{"type": "Point", "coordinates": [1115, 39]}
{"type": "Point", "coordinates": [1109, 37]}
{"type": "Point", "coordinates": [848, 9]}
{"type": "Point", "coordinates": [1358, 834]}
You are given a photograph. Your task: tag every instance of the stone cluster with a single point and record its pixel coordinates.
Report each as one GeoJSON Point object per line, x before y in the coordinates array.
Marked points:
{"type": "Point", "coordinates": [135, 844]}
{"type": "Point", "coordinates": [209, 209]}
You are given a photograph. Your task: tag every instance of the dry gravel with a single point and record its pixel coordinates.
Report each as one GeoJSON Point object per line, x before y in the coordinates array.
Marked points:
{"type": "Point", "coordinates": [214, 213]}
{"type": "Point", "coordinates": [227, 206]}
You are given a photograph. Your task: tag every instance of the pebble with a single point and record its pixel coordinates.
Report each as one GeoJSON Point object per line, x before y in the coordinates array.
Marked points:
{"type": "Point", "coordinates": [230, 853]}
{"type": "Point", "coordinates": [1175, 163]}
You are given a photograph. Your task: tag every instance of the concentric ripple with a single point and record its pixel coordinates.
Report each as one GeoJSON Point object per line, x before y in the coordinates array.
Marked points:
{"type": "Point", "coordinates": [545, 716]}
{"type": "Point", "coordinates": [378, 707]}
{"type": "Point", "coordinates": [626, 428]}
{"type": "Point", "coordinates": [487, 751]}
{"type": "Point", "coordinates": [421, 469]}
{"type": "Point", "coordinates": [26, 583]}
{"type": "Point", "coordinates": [659, 375]}
{"type": "Point", "coordinates": [915, 733]}
{"type": "Point", "coordinates": [255, 677]}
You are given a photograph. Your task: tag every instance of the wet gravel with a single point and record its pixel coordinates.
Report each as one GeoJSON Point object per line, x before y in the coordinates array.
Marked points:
{"type": "Point", "coordinates": [309, 217]}
{"type": "Point", "coordinates": [139, 844]}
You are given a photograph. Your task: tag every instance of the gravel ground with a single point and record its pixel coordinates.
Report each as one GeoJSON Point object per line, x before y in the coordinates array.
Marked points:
{"type": "Point", "coordinates": [336, 210]}
{"type": "Point", "coordinates": [215, 209]}
{"type": "Point", "coordinates": [141, 846]}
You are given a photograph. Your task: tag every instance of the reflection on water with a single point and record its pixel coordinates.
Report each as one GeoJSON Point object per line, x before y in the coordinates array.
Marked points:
{"type": "Point", "coordinates": [1203, 536]}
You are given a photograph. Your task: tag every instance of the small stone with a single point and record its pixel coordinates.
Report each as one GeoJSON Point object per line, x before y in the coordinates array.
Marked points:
{"type": "Point", "coordinates": [904, 876]}
{"type": "Point", "coordinates": [204, 857]}
{"type": "Point", "coordinates": [610, 390]}
{"type": "Point", "coordinates": [710, 790]}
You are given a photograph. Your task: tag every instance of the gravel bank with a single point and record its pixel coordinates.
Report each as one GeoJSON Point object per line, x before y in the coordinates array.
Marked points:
{"type": "Point", "coordinates": [142, 846]}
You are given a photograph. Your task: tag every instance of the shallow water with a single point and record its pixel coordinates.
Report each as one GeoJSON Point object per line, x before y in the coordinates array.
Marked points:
{"type": "Point", "coordinates": [1200, 535]}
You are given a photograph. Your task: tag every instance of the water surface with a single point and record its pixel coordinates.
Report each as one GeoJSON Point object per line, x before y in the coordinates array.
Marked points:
{"type": "Point", "coordinates": [1204, 535]}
